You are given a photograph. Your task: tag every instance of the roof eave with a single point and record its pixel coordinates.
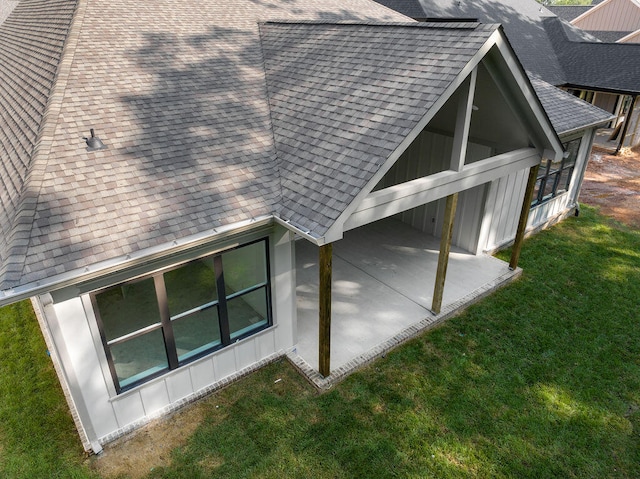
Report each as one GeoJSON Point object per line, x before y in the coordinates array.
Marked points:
{"type": "Point", "coordinates": [136, 259]}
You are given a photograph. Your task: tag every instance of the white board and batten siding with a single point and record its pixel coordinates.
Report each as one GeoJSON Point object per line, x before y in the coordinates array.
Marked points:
{"type": "Point", "coordinates": [106, 415]}
{"type": "Point", "coordinates": [505, 195]}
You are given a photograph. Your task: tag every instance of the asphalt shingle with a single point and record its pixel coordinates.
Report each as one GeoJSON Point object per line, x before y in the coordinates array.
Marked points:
{"type": "Point", "coordinates": [174, 88]}
{"type": "Point", "coordinates": [340, 108]}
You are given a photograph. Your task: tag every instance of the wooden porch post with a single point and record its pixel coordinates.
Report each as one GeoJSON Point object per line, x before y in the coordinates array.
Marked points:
{"type": "Point", "coordinates": [524, 216]}
{"type": "Point", "coordinates": [627, 120]}
{"type": "Point", "coordinates": [445, 247]}
{"type": "Point", "coordinates": [324, 308]}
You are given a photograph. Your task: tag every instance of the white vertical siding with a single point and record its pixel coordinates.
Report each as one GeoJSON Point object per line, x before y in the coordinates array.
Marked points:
{"type": "Point", "coordinates": [107, 415]}
{"type": "Point", "coordinates": [503, 206]}
{"type": "Point", "coordinates": [505, 195]}
{"type": "Point", "coordinates": [427, 156]}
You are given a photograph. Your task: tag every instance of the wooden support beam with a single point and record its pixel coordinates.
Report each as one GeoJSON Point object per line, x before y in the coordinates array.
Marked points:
{"type": "Point", "coordinates": [324, 286]}
{"type": "Point", "coordinates": [627, 121]}
{"type": "Point", "coordinates": [524, 216]}
{"type": "Point", "coordinates": [445, 247]}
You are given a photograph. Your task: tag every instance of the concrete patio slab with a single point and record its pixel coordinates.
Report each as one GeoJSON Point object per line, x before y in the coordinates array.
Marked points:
{"type": "Point", "coordinates": [383, 279]}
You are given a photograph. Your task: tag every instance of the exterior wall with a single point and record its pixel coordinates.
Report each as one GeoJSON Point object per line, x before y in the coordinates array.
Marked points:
{"type": "Point", "coordinates": [505, 195]}
{"type": "Point", "coordinates": [428, 218]}
{"type": "Point", "coordinates": [104, 415]}
{"type": "Point", "coordinates": [607, 101]}
{"type": "Point", "coordinates": [613, 15]}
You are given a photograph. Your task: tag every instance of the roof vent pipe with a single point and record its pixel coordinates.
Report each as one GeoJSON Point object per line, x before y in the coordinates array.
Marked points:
{"type": "Point", "coordinates": [94, 143]}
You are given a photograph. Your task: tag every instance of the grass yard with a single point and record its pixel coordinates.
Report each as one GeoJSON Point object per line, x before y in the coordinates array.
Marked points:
{"type": "Point", "coordinates": [542, 379]}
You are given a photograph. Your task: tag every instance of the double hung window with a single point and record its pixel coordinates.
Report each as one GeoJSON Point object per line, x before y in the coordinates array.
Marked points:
{"type": "Point", "coordinates": [165, 320]}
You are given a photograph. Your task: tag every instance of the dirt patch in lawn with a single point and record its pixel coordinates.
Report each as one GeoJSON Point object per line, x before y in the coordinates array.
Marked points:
{"type": "Point", "coordinates": [135, 455]}
{"type": "Point", "coordinates": [612, 183]}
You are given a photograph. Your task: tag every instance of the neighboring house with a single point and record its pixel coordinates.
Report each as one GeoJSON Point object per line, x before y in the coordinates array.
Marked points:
{"type": "Point", "coordinates": [611, 16]}
{"type": "Point", "coordinates": [558, 52]}
{"type": "Point", "coordinates": [161, 260]}
{"type": "Point", "coordinates": [612, 21]}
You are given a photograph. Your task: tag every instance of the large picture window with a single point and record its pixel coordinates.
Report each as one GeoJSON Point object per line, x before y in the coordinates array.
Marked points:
{"type": "Point", "coordinates": [162, 321]}
{"type": "Point", "coordinates": [554, 177]}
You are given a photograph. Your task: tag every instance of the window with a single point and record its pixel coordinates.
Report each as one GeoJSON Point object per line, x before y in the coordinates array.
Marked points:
{"type": "Point", "coordinates": [554, 177]}
{"type": "Point", "coordinates": [165, 320]}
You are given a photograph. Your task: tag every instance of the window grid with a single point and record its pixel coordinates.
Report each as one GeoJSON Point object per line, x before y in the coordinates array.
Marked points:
{"type": "Point", "coordinates": [166, 324]}
{"type": "Point", "coordinates": [554, 180]}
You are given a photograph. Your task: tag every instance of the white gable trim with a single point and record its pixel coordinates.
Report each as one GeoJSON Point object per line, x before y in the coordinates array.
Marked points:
{"type": "Point", "coordinates": [551, 139]}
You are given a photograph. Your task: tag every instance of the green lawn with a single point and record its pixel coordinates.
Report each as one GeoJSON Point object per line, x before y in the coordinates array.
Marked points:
{"type": "Point", "coordinates": [540, 380]}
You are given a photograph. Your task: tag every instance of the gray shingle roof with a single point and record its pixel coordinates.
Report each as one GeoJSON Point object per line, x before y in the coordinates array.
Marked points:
{"type": "Point", "coordinates": [177, 93]}
{"type": "Point", "coordinates": [569, 12]}
{"type": "Point", "coordinates": [598, 66]}
{"type": "Point", "coordinates": [566, 112]}
{"type": "Point", "coordinates": [339, 107]}
{"type": "Point", "coordinates": [553, 50]}
{"type": "Point", "coordinates": [607, 36]}
{"type": "Point", "coordinates": [32, 37]}
{"type": "Point", "coordinates": [522, 23]}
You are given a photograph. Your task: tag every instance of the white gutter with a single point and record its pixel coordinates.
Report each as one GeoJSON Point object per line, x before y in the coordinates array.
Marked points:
{"type": "Point", "coordinates": [586, 127]}
{"type": "Point", "coordinates": [136, 258]}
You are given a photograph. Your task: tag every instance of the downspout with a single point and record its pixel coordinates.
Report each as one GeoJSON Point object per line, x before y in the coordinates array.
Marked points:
{"type": "Point", "coordinates": [627, 120]}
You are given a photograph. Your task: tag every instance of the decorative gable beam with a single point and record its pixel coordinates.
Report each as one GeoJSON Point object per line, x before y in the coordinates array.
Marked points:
{"type": "Point", "coordinates": [529, 106]}
{"type": "Point", "coordinates": [395, 199]}
{"type": "Point", "coordinates": [463, 121]}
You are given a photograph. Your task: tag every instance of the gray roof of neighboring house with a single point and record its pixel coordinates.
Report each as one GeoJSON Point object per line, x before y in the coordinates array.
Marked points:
{"type": "Point", "coordinates": [339, 108]}
{"type": "Point", "coordinates": [566, 112]}
{"type": "Point", "coordinates": [608, 36]}
{"type": "Point", "coordinates": [569, 12]}
{"type": "Point", "coordinates": [521, 20]}
{"type": "Point", "coordinates": [595, 65]}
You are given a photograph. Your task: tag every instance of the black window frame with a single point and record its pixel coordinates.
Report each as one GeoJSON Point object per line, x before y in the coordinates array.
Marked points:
{"type": "Point", "coordinates": [165, 324]}
{"type": "Point", "coordinates": [546, 175]}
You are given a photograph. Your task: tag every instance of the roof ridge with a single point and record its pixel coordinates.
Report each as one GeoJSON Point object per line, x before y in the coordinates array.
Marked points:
{"type": "Point", "coordinates": [444, 24]}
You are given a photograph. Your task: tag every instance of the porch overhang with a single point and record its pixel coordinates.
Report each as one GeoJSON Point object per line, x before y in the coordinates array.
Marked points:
{"type": "Point", "coordinates": [395, 199]}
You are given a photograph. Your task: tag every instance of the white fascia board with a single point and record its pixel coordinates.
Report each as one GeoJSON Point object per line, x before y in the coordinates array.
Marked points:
{"type": "Point", "coordinates": [131, 260]}
{"type": "Point", "coordinates": [336, 230]}
{"type": "Point", "coordinates": [531, 98]}
{"type": "Point", "coordinates": [318, 241]}
{"type": "Point", "coordinates": [404, 196]}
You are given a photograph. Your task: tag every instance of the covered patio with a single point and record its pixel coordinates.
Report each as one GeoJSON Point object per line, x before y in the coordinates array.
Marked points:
{"type": "Point", "coordinates": [382, 291]}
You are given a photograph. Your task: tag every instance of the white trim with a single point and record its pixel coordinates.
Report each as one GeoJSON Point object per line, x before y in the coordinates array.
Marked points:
{"type": "Point", "coordinates": [135, 258]}
{"type": "Point", "coordinates": [463, 121]}
{"type": "Point", "coordinates": [395, 199]}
